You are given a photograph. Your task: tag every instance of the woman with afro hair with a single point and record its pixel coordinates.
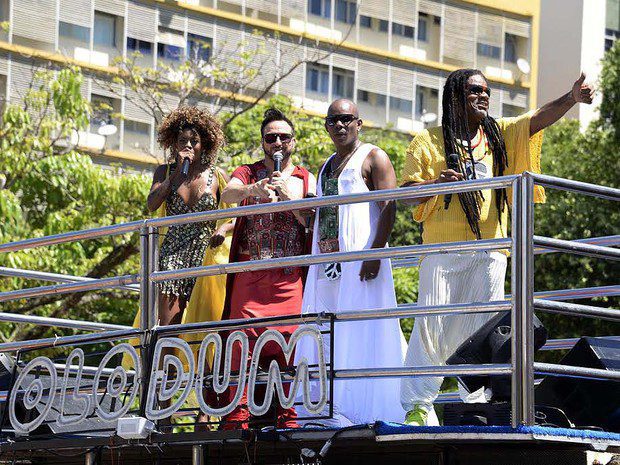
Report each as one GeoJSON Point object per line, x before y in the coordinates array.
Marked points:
{"type": "Point", "coordinates": [189, 133]}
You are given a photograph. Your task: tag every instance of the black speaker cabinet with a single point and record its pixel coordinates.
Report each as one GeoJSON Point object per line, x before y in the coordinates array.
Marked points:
{"type": "Point", "coordinates": [491, 344]}
{"type": "Point", "coordinates": [587, 402]}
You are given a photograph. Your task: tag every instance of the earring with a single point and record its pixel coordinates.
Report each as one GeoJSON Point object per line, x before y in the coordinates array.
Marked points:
{"type": "Point", "coordinates": [204, 158]}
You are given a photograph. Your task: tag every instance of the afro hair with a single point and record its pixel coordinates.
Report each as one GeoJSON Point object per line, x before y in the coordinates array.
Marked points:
{"type": "Point", "coordinates": [204, 123]}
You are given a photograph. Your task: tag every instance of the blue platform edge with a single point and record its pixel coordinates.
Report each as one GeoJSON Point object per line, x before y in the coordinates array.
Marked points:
{"type": "Point", "coordinates": [383, 428]}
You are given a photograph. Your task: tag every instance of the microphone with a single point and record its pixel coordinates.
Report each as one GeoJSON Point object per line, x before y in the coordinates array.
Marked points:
{"type": "Point", "coordinates": [452, 160]}
{"type": "Point", "coordinates": [185, 167]}
{"type": "Point", "coordinates": [277, 160]}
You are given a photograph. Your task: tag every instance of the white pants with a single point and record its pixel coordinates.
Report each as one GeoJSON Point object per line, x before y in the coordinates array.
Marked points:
{"type": "Point", "coordinates": [449, 279]}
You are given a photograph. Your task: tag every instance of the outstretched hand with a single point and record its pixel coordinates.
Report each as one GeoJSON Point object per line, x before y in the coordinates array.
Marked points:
{"type": "Point", "coordinates": [582, 93]}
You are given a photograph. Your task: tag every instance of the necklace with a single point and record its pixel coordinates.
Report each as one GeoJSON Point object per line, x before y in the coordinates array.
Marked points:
{"type": "Point", "coordinates": [334, 172]}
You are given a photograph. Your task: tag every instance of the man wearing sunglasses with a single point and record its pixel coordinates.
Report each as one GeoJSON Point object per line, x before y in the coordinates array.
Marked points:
{"type": "Point", "coordinates": [469, 144]}
{"type": "Point", "coordinates": [355, 167]}
{"type": "Point", "coordinates": [278, 291]}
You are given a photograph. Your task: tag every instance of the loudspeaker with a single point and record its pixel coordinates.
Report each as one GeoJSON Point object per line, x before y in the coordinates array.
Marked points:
{"type": "Point", "coordinates": [491, 344]}
{"type": "Point", "coordinates": [587, 402]}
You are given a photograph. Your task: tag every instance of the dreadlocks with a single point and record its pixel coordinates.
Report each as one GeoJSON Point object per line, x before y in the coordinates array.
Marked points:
{"type": "Point", "coordinates": [456, 135]}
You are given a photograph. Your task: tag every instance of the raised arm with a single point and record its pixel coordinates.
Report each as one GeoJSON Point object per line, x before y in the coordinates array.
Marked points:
{"type": "Point", "coordinates": [162, 186]}
{"type": "Point", "coordinates": [549, 113]}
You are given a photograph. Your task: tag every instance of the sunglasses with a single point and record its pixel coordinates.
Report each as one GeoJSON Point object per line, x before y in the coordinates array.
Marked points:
{"type": "Point", "coordinates": [477, 89]}
{"type": "Point", "coordinates": [344, 119]}
{"type": "Point", "coordinates": [274, 136]}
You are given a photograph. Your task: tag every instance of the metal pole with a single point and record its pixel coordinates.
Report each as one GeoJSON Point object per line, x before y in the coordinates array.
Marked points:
{"type": "Point", "coordinates": [144, 313]}
{"type": "Point", "coordinates": [197, 454]}
{"type": "Point", "coordinates": [579, 248]}
{"type": "Point", "coordinates": [153, 253]}
{"type": "Point", "coordinates": [587, 311]}
{"type": "Point", "coordinates": [522, 298]}
{"type": "Point", "coordinates": [54, 277]}
{"type": "Point", "coordinates": [602, 192]}
{"type": "Point", "coordinates": [352, 256]}
{"type": "Point", "coordinates": [60, 322]}
{"type": "Point", "coordinates": [89, 458]}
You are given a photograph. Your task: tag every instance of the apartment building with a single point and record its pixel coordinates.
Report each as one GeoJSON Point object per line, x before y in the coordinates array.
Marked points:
{"type": "Point", "coordinates": [574, 36]}
{"type": "Point", "coordinates": [392, 56]}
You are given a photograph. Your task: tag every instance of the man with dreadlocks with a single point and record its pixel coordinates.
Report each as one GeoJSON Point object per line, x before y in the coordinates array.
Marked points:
{"type": "Point", "coordinates": [483, 147]}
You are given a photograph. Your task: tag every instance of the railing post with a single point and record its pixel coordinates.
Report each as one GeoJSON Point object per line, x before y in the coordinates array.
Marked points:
{"type": "Point", "coordinates": [197, 454]}
{"type": "Point", "coordinates": [145, 306]}
{"type": "Point", "coordinates": [153, 266]}
{"type": "Point", "coordinates": [522, 283]}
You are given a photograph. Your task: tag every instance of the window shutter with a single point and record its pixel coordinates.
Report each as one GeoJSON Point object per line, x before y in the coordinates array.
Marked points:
{"type": "Point", "coordinates": [78, 12]}
{"type": "Point", "coordinates": [459, 33]}
{"type": "Point", "coordinates": [35, 20]}
{"type": "Point", "coordinates": [141, 22]}
{"type": "Point", "coordinates": [114, 7]}
{"type": "Point", "coordinates": [372, 76]}
{"type": "Point", "coordinates": [401, 83]}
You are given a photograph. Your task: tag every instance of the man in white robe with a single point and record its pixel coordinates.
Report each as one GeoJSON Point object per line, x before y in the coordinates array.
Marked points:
{"type": "Point", "coordinates": [339, 287]}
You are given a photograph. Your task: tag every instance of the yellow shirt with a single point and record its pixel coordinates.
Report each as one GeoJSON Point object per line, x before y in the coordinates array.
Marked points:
{"type": "Point", "coordinates": [426, 159]}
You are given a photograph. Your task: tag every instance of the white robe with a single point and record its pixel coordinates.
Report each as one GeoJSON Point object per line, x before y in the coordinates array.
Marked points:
{"type": "Point", "coordinates": [362, 344]}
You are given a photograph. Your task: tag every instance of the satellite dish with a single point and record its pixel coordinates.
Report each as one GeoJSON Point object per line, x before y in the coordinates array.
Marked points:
{"type": "Point", "coordinates": [428, 118]}
{"type": "Point", "coordinates": [107, 129]}
{"type": "Point", "coordinates": [523, 65]}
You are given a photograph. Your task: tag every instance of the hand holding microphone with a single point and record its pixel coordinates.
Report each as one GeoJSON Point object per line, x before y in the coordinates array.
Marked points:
{"type": "Point", "coordinates": [450, 175]}
{"type": "Point", "coordinates": [277, 180]}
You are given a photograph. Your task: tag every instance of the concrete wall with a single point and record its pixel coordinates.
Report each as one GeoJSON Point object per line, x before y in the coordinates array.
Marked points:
{"type": "Point", "coordinates": [572, 39]}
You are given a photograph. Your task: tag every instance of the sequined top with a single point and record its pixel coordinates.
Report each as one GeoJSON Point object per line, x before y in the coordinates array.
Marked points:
{"type": "Point", "coordinates": [184, 245]}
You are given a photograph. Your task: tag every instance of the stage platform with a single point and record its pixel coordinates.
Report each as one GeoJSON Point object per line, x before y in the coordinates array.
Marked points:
{"type": "Point", "coordinates": [364, 444]}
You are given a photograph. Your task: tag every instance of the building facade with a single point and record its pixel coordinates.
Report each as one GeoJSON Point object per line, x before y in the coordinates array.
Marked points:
{"type": "Point", "coordinates": [391, 56]}
{"type": "Point", "coordinates": [574, 36]}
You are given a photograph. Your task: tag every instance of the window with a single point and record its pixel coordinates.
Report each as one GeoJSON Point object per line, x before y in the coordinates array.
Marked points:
{"type": "Point", "coordinates": [74, 31]}
{"type": "Point", "coordinates": [342, 85]}
{"type": "Point", "coordinates": [510, 48]}
{"type": "Point", "coordinates": [346, 11]}
{"type": "Point", "coordinates": [611, 35]}
{"type": "Point", "coordinates": [402, 30]}
{"type": "Point", "coordinates": [365, 21]}
{"type": "Point", "coordinates": [142, 46]}
{"type": "Point", "coordinates": [105, 30]}
{"type": "Point", "coordinates": [320, 8]}
{"type": "Point", "coordinates": [169, 52]}
{"type": "Point", "coordinates": [422, 31]}
{"type": "Point", "coordinates": [490, 51]}
{"type": "Point", "coordinates": [400, 104]}
{"type": "Point", "coordinates": [419, 103]}
{"type": "Point", "coordinates": [137, 127]}
{"type": "Point", "coordinates": [509, 111]}
{"type": "Point", "coordinates": [372, 98]}
{"type": "Point", "coordinates": [317, 79]}
{"type": "Point", "coordinates": [383, 25]}
{"type": "Point", "coordinates": [198, 47]}
{"type": "Point", "coordinates": [103, 107]}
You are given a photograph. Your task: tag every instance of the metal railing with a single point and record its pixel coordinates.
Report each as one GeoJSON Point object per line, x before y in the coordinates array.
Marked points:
{"type": "Point", "coordinates": [522, 301]}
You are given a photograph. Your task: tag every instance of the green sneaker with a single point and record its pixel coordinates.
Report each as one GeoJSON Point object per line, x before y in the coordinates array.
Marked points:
{"type": "Point", "coordinates": [417, 416]}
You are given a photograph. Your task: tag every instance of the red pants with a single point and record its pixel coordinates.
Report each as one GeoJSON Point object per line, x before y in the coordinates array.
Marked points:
{"type": "Point", "coordinates": [257, 294]}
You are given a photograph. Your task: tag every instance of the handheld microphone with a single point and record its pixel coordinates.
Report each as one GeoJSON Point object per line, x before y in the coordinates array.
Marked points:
{"type": "Point", "coordinates": [452, 160]}
{"type": "Point", "coordinates": [277, 160]}
{"type": "Point", "coordinates": [185, 167]}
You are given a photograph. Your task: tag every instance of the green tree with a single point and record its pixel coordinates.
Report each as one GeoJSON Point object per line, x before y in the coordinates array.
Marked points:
{"type": "Point", "coordinates": [50, 188]}
{"type": "Point", "coordinates": [591, 156]}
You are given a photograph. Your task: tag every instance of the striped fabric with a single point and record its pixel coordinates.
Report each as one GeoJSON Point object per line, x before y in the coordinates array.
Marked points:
{"type": "Point", "coordinates": [448, 279]}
